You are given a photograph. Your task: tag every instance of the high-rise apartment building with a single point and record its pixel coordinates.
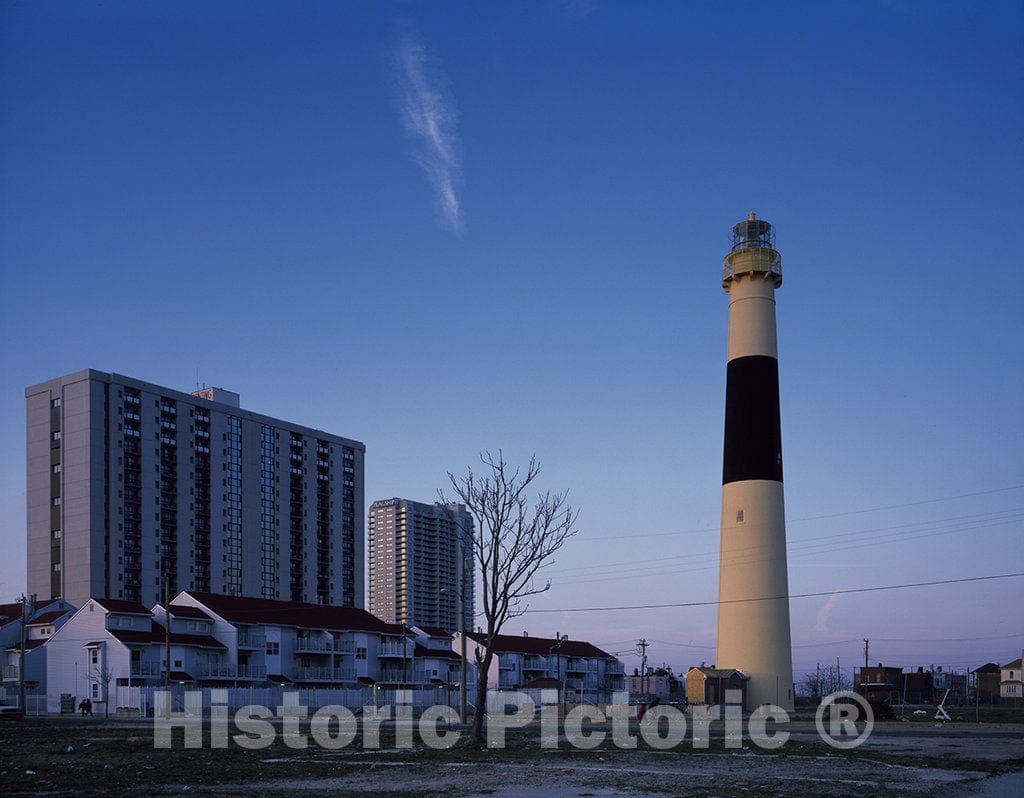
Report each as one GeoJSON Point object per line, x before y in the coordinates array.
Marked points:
{"type": "Point", "coordinates": [415, 574]}
{"type": "Point", "coordinates": [130, 484]}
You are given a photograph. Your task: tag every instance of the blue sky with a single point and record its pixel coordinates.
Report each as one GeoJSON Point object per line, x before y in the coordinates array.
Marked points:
{"type": "Point", "coordinates": [441, 228]}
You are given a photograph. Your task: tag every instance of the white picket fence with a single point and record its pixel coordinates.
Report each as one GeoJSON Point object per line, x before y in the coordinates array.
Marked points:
{"type": "Point", "coordinates": [145, 700]}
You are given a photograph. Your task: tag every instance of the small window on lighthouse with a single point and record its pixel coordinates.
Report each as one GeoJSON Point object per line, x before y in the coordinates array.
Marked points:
{"type": "Point", "coordinates": [739, 516]}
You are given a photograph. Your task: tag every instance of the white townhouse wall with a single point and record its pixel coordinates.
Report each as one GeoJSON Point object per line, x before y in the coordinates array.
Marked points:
{"type": "Point", "coordinates": [1011, 680]}
{"type": "Point", "coordinates": [83, 649]}
{"type": "Point", "coordinates": [112, 643]}
{"type": "Point", "coordinates": [41, 625]}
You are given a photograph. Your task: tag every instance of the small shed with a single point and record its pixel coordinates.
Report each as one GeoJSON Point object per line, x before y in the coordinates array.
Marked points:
{"type": "Point", "coordinates": [708, 685]}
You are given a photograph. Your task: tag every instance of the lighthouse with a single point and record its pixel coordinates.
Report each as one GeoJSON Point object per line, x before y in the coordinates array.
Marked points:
{"type": "Point", "coordinates": [753, 585]}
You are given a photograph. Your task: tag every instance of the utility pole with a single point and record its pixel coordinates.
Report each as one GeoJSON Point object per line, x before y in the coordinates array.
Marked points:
{"type": "Point", "coordinates": [642, 645]}
{"type": "Point", "coordinates": [28, 606]}
{"type": "Point", "coordinates": [405, 655]}
{"type": "Point", "coordinates": [866, 642]}
{"type": "Point", "coordinates": [462, 626]}
{"type": "Point", "coordinates": [167, 646]}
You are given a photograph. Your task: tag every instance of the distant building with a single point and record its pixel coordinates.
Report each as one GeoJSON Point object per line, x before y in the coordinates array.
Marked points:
{"type": "Point", "coordinates": [658, 683]}
{"type": "Point", "coordinates": [984, 683]}
{"type": "Point", "coordinates": [584, 672]}
{"type": "Point", "coordinates": [131, 484]}
{"type": "Point", "coordinates": [949, 686]}
{"type": "Point", "coordinates": [415, 550]}
{"type": "Point", "coordinates": [1010, 680]}
{"type": "Point", "coordinates": [709, 685]}
{"type": "Point", "coordinates": [918, 687]}
{"type": "Point", "coordinates": [879, 683]}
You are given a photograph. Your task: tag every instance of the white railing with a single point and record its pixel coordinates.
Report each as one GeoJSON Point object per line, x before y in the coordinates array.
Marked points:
{"type": "Point", "coordinates": [12, 672]}
{"type": "Point", "coordinates": [212, 670]}
{"type": "Point", "coordinates": [251, 640]}
{"type": "Point", "coordinates": [146, 669]}
{"type": "Point", "coordinates": [395, 648]}
{"type": "Point", "coordinates": [303, 643]}
{"type": "Point", "coordinates": [314, 674]}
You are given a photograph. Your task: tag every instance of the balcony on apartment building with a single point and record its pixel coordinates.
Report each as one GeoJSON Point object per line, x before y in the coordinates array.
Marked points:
{"type": "Point", "coordinates": [323, 645]}
{"type": "Point", "coordinates": [251, 640]}
{"type": "Point", "coordinates": [535, 663]}
{"type": "Point", "coordinates": [214, 670]}
{"type": "Point", "coordinates": [11, 673]}
{"type": "Point", "coordinates": [146, 668]}
{"type": "Point", "coordinates": [324, 674]}
{"type": "Point", "coordinates": [396, 648]}
{"type": "Point", "coordinates": [399, 676]}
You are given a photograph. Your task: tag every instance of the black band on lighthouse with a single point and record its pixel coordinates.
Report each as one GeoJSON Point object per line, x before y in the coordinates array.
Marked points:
{"type": "Point", "coordinates": [753, 430]}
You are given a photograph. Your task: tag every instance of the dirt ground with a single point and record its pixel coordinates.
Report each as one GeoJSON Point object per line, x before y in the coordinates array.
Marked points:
{"type": "Point", "coordinates": [95, 756]}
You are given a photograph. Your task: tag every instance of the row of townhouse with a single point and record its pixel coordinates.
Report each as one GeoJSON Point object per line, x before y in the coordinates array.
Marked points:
{"type": "Point", "coordinates": [40, 625]}
{"type": "Point", "coordinates": [226, 641]}
{"type": "Point", "coordinates": [987, 684]}
{"type": "Point", "coordinates": [581, 670]}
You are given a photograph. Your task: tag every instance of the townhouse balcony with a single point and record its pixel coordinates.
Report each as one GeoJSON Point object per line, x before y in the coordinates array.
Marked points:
{"type": "Point", "coordinates": [251, 640]}
{"type": "Point", "coordinates": [398, 675]}
{"type": "Point", "coordinates": [211, 670]}
{"type": "Point", "coordinates": [318, 674]}
{"type": "Point", "coordinates": [395, 648]}
{"type": "Point", "coordinates": [318, 644]}
{"type": "Point", "coordinates": [146, 669]}
{"type": "Point", "coordinates": [615, 669]}
{"type": "Point", "coordinates": [11, 673]}
{"type": "Point", "coordinates": [534, 664]}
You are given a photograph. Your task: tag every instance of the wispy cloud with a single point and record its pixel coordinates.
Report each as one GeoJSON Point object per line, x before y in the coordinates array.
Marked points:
{"type": "Point", "coordinates": [430, 117]}
{"type": "Point", "coordinates": [821, 622]}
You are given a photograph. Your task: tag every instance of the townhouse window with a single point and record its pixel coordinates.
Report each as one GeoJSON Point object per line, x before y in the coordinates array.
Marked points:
{"type": "Point", "coordinates": [96, 690]}
{"type": "Point", "coordinates": [273, 649]}
{"type": "Point", "coordinates": [360, 652]}
{"type": "Point", "coordinates": [94, 656]}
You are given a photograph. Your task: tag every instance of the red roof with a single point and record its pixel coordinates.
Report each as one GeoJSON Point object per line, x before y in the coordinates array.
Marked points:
{"type": "Point", "coordinates": [440, 653]}
{"type": "Point", "coordinates": [239, 609]}
{"type": "Point", "coordinates": [541, 645]}
{"type": "Point", "coordinates": [122, 606]}
{"type": "Point", "coordinates": [434, 631]}
{"type": "Point", "coordinates": [157, 634]}
{"type": "Point", "coordinates": [29, 644]}
{"type": "Point", "coordinates": [47, 617]}
{"type": "Point", "coordinates": [10, 612]}
{"type": "Point", "coordinates": [185, 611]}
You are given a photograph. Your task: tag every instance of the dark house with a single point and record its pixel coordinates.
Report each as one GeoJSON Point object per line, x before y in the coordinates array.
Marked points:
{"type": "Point", "coordinates": [985, 684]}
{"type": "Point", "coordinates": [880, 683]}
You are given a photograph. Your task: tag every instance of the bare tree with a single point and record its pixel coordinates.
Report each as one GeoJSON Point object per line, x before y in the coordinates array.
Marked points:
{"type": "Point", "coordinates": [513, 539]}
{"type": "Point", "coordinates": [104, 675]}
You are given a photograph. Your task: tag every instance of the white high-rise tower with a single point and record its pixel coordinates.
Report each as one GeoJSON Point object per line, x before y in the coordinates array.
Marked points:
{"type": "Point", "coordinates": [753, 610]}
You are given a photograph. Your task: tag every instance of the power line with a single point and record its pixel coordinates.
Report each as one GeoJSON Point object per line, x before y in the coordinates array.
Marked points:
{"type": "Point", "coordinates": [805, 547]}
{"type": "Point", "coordinates": [988, 577]}
{"type": "Point", "coordinates": [823, 515]}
